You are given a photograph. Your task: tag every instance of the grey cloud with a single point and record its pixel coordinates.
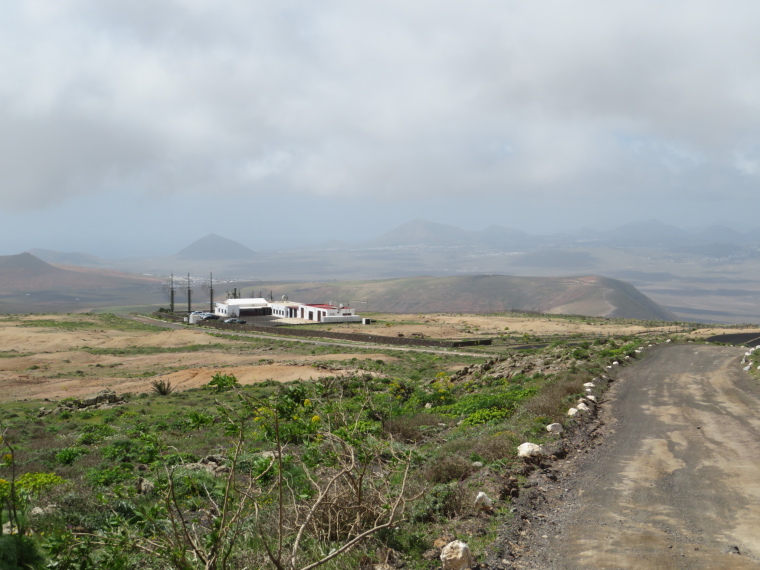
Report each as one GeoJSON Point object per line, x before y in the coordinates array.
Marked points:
{"type": "Point", "coordinates": [385, 99]}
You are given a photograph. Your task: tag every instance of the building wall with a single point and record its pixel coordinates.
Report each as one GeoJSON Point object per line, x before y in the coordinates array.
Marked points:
{"type": "Point", "coordinates": [227, 311]}
{"type": "Point", "coordinates": [316, 313]}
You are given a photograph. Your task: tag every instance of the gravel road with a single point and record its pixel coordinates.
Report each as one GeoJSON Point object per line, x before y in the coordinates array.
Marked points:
{"type": "Point", "coordinates": [676, 484]}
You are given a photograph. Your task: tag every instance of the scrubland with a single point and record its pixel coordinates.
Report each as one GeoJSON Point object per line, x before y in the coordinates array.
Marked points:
{"type": "Point", "coordinates": [241, 452]}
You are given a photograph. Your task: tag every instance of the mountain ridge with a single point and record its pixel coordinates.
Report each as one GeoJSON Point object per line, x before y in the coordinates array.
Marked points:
{"type": "Point", "coordinates": [213, 246]}
{"type": "Point", "coordinates": [588, 295]}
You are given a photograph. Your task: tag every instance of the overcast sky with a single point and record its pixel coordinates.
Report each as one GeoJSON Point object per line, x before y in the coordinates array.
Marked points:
{"type": "Point", "coordinates": [137, 126]}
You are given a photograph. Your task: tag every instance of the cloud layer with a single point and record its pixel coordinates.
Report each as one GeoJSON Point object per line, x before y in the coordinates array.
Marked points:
{"type": "Point", "coordinates": [391, 100]}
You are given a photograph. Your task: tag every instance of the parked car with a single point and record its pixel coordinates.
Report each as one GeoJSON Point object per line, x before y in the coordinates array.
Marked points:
{"type": "Point", "coordinates": [234, 321]}
{"type": "Point", "coordinates": [210, 317]}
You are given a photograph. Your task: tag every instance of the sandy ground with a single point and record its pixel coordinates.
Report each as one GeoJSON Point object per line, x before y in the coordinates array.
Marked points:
{"type": "Point", "coordinates": [52, 365]}
{"type": "Point", "coordinates": [51, 362]}
{"type": "Point", "coordinates": [466, 326]}
{"type": "Point", "coordinates": [717, 330]}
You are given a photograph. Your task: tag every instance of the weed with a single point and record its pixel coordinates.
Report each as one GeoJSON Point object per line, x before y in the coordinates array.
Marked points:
{"type": "Point", "coordinates": [68, 455]}
{"type": "Point", "coordinates": [162, 387]}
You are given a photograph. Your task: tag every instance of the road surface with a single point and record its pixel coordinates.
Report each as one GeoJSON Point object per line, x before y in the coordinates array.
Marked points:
{"type": "Point", "coordinates": [677, 483]}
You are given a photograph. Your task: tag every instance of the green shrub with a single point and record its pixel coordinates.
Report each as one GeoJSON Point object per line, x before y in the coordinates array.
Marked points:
{"type": "Point", "coordinates": [469, 404]}
{"type": "Point", "coordinates": [197, 483]}
{"type": "Point", "coordinates": [179, 458]}
{"type": "Point", "coordinates": [441, 502]}
{"type": "Point", "coordinates": [20, 553]}
{"type": "Point", "coordinates": [33, 484]}
{"type": "Point", "coordinates": [255, 465]}
{"type": "Point", "coordinates": [485, 416]}
{"type": "Point", "coordinates": [580, 354]}
{"type": "Point", "coordinates": [68, 455]}
{"type": "Point", "coordinates": [223, 382]}
{"type": "Point", "coordinates": [83, 509]}
{"type": "Point", "coordinates": [411, 541]}
{"type": "Point", "coordinates": [130, 450]}
{"type": "Point", "coordinates": [94, 433]}
{"type": "Point", "coordinates": [196, 420]}
{"type": "Point", "coordinates": [108, 475]}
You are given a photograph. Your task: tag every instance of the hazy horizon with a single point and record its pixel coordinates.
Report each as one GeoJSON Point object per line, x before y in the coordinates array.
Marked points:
{"type": "Point", "coordinates": [354, 239]}
{"type": "Point", "coordinates": [134, 132]}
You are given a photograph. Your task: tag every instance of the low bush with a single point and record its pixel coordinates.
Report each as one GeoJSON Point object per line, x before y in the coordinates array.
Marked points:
{"type": "Point", "coordinates": [94, 433]}
{"type": "Point", "coordinates": [20, 553]}
{"type": "Point", "coordinates": [162, 387]}
{"type": "Point", "coordinates": [445, 501]}
{"type": "Point", "coordinates": [106, 475]}
{"type": "Point", "coordinates": [410, 429]}
{"type": "Point", "coordinates": [68, 455]}
{"type": "Point", "coordinates": [495, 447]}
{"type": "Point", "coordinates": [446, 468]}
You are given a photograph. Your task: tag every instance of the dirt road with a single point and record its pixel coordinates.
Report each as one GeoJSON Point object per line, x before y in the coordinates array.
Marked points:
{"type": "Point", "coordinates": [677, 483]}
{"type": "Point", "coordinates": [273, 336]}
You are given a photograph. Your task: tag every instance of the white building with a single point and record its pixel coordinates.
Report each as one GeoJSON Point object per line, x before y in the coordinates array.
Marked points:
{"type": "Point", "coordinates": [318, 313]}
{"type": "Point", "coordinates": [285, 309]}
{"type": "Point", "coordinates": [253, 307]}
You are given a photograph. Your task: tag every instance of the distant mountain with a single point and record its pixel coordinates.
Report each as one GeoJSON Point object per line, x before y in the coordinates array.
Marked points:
{"type": "Point", "coordinates": [508, 238]}
{"type": "Point", "coordinates": [332, 244]}
{"type": "Point", "coordinates": [712, 250]}
{"type": "Point", "coordinates": [213, 247]}
{"type": "Point", "coordinates": [719, 234]}
{"type": "Point", "coordinates": [557, 258]}
{"type": "Point", "coordinates": [25, 272]}
{"type": "Point", "coordinates": [431, 234]}
{"type": "Point", "coordinates": [28, 284]}
{"type": "Point", "coordinates": [77, 258]}
{"type": "Point", "coordinates": [422, 232]}
{"type": "Point", "coordinates": [651, 233]}
{"type": "Point", "coordinates": [25, 266]}
{"type": "Point", "coordinates": [591, 295]}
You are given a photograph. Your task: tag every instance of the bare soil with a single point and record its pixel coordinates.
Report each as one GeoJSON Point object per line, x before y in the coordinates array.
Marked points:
{"type": "Point", "coordinates": [673, 485]}
{"type": "Point", "coordinates": [53, 365]}
{"type": "Point", "coordinates": [445, 326]}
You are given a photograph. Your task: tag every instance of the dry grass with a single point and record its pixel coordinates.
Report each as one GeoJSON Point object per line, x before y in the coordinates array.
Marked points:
{"type": "Point", "coordinates": [496, 446]}
{"type": "Point", "coordinates": [551, 402]}
{"type": "Point", "coordinates": [411, 429]}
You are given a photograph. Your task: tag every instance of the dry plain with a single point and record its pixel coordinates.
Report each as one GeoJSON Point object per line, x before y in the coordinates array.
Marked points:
{"type": "Point", "coordinates": [59, 356]}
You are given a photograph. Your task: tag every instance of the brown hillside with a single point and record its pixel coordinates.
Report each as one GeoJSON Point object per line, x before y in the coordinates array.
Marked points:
{"type": "Point", "coordinates": [588, 295]}
{"type": "Point", "coordinates": [25, 272]}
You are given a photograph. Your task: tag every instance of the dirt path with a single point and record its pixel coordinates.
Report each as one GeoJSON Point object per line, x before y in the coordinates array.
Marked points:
{"type": "Point", "coordinates": [273, 336]}
{"type": "Point", "coordinates": [677, 483]}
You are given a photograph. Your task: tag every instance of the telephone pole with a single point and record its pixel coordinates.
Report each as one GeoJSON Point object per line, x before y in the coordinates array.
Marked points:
{"type": "Point", "coordinates": [171, 293]}
{"type": "Point", "coordinates": [211, 293]}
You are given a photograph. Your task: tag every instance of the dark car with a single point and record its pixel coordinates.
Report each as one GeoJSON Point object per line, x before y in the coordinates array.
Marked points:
{"type": "Point", "coordinates": [234, 321]}
{"type": "Point", "coordinates": [210, 317]}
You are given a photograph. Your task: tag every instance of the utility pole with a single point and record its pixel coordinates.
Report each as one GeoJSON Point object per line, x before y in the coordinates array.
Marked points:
{"type": "Point", "coordinates": [211, 293]}
{"type": "Point", "coordinates": [189, 295]}
{"type": "Point", "coordinates": [171, 293]}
